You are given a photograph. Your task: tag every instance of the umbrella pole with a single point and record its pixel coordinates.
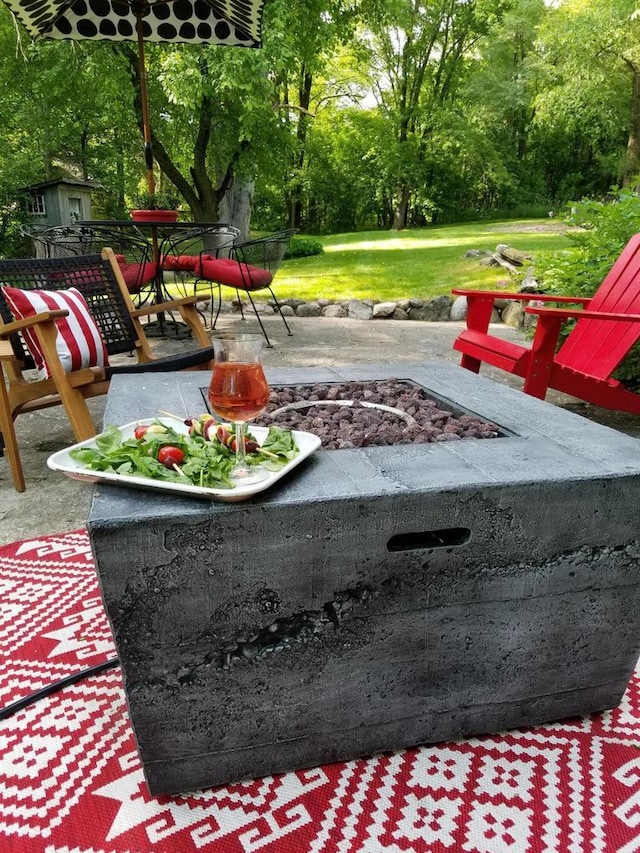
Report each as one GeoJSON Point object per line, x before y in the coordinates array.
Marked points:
{"type": "Point", "coordinates": [146, 125]}
{"type": "Point", "coordinates": [148, 155]}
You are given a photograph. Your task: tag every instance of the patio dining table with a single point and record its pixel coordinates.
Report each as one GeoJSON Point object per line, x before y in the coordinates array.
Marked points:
{"type": "Point", "coordinates": [163, 236]}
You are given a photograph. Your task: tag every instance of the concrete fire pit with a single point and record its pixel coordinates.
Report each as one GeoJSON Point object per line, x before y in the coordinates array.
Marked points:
{"type": "Point", "coordinates": [378, 597]}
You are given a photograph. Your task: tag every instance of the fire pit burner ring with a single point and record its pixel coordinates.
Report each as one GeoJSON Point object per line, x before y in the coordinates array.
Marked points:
{"type": "Point", "coordinates": [306, 404]}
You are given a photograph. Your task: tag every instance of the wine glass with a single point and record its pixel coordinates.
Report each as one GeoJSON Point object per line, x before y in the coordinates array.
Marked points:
{"type": "Point", "coordinates": [239, 391]}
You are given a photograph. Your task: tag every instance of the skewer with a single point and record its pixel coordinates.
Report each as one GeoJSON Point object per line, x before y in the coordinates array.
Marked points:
{"type": "Point", "coordinates": [171, 415]}
{"type": "Point", "coordinates": [182, 420]}
{"type": "Point", "coordinates": [267, 453]}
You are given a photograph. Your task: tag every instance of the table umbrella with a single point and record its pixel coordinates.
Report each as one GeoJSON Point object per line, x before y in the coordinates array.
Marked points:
{"type": "Point", "coordinates": [236, 23]}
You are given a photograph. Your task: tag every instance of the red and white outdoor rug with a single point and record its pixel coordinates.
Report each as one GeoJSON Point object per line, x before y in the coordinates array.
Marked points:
{"type": "Point", "coordinates": [71, 781]}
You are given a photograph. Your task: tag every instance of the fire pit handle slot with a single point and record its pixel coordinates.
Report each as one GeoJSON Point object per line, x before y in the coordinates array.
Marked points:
{"type": "Point", "coordinates": [448, 538]}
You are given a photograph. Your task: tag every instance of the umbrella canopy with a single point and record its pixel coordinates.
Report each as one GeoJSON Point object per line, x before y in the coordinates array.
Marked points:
{"type": "Point", "coordinates": [236, 23]}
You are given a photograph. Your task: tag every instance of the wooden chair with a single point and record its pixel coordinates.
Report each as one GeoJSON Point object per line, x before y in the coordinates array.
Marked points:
{"type": "Point", "coordinates": [607, 327]}
{"type": "Point", "coordinates": [99, 280]}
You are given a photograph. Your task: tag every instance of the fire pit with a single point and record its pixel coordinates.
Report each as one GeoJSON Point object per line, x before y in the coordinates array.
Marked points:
{"type": "Point", "coordinates": [380, 596]}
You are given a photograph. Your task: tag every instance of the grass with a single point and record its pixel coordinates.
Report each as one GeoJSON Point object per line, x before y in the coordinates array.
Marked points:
{"type": "Point", "coordinates": [421, 263]}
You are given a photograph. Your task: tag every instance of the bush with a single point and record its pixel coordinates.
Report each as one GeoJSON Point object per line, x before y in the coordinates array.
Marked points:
{"type": "Point", "coordinates": [579, 270]}
{"type": "Point", "coordinates": [303, 247]}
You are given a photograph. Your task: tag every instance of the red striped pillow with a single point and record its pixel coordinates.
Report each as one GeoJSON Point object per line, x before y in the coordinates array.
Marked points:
{"type": "Point", "coordinates": [79, 342]}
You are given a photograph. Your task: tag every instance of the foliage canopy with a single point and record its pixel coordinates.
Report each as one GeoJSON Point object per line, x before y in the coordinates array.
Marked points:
{"type": "Point", "coordinates": [354, 115]}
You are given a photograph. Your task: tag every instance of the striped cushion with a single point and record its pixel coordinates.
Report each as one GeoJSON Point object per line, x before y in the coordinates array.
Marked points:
{"type": "Point", "coordinates": [79, 342]}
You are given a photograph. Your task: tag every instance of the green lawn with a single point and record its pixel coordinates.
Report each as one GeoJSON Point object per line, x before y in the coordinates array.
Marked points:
{"type": "Point", "coordinates": [419, 263]}
{"type": "Point", "coordinates": [422, 263]}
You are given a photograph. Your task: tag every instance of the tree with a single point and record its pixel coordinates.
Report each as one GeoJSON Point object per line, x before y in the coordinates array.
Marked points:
{"type": "Point", "coordinates": [593, 52]}
{"type": "Point", "coordinates": [500, 93]}
{"type": "Point", "coordinates": [419, 55]}
{"type": "Point", "coordinates": [61, 107]}
{"type": "Point", "coordinates": [308, 78]}
{"type": "Point", "coordinates": [211, 115]}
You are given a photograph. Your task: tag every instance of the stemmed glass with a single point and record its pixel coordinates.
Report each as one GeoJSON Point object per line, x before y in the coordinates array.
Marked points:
{"type": "Point", "coordinates": [239, 391]}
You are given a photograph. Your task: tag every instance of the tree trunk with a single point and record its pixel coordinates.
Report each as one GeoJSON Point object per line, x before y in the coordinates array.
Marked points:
{"type": "Point", "coordinates": [400, 209]}
{"type": "Point", "coordinates": [235, 207]}
{"type": "Point", "coordinates": [294, 201]}
{"type": "Point", "coordinates": [120, 177]}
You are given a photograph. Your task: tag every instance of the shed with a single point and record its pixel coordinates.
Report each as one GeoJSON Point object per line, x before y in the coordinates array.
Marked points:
{"type": "Point", "coordinates": [60, 202]}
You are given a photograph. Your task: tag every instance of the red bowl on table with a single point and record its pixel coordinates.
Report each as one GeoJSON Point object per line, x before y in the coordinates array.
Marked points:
{"type": "Point", "coordinates": [154, 215]}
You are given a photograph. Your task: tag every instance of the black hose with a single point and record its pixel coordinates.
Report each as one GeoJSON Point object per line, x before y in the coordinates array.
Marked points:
{"type": "Point", "coordinates": [57, 685]}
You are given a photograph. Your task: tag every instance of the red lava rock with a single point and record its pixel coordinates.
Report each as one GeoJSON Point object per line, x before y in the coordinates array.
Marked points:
{"type": "Point", "coordinates": [359, 426]}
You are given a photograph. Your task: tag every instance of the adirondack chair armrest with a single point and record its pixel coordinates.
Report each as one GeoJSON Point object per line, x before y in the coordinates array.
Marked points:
{"type": "Point", "coordinates": [188, 313]}
{"type": "Point", "coordinates": [171, 305]}
{"type": "Point", "coordinates": [7, 329]}
{"type": "Point", "coordinates": [567, 314]}
{"type": "Point", "coordinates": [45, 331]}
{"type": "Point", "coordinates": [522, 297]}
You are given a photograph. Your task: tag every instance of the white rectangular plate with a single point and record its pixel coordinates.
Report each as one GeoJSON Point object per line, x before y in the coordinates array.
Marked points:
{"type": "Point", "coordinates": [62, 461]}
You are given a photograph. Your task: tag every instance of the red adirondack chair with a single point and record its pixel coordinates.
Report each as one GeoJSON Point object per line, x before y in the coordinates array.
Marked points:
{"type": "Point", "coordinates": [608, 326]}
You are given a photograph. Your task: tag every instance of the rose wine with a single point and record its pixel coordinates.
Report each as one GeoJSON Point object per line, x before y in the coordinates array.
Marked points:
{"type": "Point", "coordinates": [238, 391]}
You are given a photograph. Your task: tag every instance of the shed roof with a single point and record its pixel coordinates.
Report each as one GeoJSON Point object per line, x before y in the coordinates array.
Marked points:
{"type": "Point", "coordinates": [68, 181]}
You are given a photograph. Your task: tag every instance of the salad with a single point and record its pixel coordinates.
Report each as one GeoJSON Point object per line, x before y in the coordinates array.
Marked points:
{"type": "Point", "coordinates": [204, 457]}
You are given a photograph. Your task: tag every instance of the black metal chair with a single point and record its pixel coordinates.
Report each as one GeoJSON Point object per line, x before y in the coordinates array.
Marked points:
{"type": "Point", "coordinates": [184, 250]}
{"type": "Point", "coordinates": [36, 234]}
{"type": "Point", "coordinates": [98, 278]}
{"type": "Point", "coordinates": [251, 266]}
{"type": "Point", "coordinates": [190, 244]}
{"type": "Point", "coordinates": [132, 250]}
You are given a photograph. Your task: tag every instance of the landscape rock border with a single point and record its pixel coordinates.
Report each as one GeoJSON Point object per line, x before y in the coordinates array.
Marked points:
{"type": "Point", "coordinates": [438, 309]}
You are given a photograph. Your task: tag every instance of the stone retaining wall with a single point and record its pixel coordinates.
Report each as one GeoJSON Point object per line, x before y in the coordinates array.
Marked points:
{"type": "Point", "coordinates": [440, 308]}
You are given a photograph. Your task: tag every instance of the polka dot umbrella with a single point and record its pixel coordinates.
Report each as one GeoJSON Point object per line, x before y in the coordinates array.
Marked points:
{"type": "Point", "coordinates": [225, 22]}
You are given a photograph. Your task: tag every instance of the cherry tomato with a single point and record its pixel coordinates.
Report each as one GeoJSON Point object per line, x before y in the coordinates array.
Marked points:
{"type": "Point", "coordinates": [169, 455]}
{"type": "Point", "coordinates": [139, 431]}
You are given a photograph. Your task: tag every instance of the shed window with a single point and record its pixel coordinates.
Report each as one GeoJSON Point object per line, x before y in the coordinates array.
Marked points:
{"type": "Point", "coordinates": [75, 209]}
{"type": "Point", "coordinates": [36, 205]}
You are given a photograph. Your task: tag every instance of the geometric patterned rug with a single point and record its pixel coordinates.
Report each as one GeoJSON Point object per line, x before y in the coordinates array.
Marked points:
{"type": "Point", "coordinates": [71, 781]}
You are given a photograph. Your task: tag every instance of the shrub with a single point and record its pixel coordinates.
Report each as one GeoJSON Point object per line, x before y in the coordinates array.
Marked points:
{"type": "Point", "coordinates": [303, 247]}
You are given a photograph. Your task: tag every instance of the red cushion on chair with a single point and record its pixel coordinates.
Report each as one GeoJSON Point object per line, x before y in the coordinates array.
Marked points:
{"type": "Point", "coordinates": [227, 271]}
{"type": "Point", "coordinates": [179, 263]}
{"type": "Point", "coordinates": [137, 275]}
